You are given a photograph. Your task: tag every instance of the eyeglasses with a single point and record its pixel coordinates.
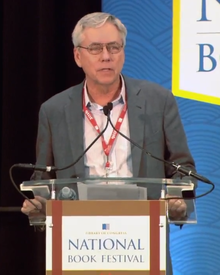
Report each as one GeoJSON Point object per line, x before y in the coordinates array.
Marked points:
{"type": "Point", "coordinates": [96, 48]}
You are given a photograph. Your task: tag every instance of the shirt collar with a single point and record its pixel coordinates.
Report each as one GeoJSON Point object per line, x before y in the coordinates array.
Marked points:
{"type": "Point", "coordinates": [119, 100]}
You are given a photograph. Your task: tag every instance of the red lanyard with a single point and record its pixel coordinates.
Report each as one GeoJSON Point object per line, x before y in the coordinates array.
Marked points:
{"type": "Point", "coordinates": [106, 147]}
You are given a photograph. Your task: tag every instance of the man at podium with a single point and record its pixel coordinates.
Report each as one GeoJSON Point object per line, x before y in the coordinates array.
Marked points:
{"type": "Point", "coordinates": [141, 110]}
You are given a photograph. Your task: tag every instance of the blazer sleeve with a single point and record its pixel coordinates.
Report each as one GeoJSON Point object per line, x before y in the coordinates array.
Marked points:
{"type": "Point", "coordinates": [44, 152]}
{"type": "Point", "coordinates": [177, 149]}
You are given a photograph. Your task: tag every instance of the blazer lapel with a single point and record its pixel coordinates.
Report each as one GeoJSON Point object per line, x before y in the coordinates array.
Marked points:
{"type": "Point", "coordinates": [74, 119]}
{"type": "Point", "coordinates": [136, 110]}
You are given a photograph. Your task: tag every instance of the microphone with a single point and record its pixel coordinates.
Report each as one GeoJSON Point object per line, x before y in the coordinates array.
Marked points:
{"type": "Point", "coordinates": [36, 167]}
{"type": "Point", "coordinates": [184, 170]}
{"type": "Point", "coordinates": [67, 193]}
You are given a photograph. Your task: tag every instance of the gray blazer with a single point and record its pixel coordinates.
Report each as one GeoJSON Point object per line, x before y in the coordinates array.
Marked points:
{"type": "Point", "coordinates": [154, 124]}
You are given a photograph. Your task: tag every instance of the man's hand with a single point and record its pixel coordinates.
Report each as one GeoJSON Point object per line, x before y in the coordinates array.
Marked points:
{"type": "Point", "coordinates": [28, 207]}
{"type": "Point", "coordinates": [177, 208]}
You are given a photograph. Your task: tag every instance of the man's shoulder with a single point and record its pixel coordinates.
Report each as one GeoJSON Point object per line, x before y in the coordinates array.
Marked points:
{"type": "Point", "coordinates": [63, 98]}
{"type": "Point", "coordinates": [146, 87]}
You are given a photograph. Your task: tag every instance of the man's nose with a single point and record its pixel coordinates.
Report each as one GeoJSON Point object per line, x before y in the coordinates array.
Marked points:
{"type": "Point", "coordinates": [105, 53]}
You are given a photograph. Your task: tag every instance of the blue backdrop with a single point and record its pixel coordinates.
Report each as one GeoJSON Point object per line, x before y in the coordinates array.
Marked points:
{"type": "Point", "coordinates": [195, 249]}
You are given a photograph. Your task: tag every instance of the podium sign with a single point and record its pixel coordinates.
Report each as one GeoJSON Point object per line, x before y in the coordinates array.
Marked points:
{"type": "Point", "coordinates": [105, 237]}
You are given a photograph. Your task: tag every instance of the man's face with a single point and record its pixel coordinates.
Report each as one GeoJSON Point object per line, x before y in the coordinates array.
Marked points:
{"type": "Point", "coordinates": [105, 67]}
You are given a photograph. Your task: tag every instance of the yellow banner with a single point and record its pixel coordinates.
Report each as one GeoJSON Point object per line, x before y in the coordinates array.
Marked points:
{"type": "Point", "coordinates": [196, 50]}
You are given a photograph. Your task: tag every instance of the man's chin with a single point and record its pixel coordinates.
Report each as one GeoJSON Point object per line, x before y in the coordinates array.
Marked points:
{"type": "Point", "coordinates": [107, 80]}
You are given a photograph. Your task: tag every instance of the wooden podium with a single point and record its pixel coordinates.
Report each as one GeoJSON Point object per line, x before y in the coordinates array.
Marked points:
{"type": "Point", "coordinates": [126, 237]}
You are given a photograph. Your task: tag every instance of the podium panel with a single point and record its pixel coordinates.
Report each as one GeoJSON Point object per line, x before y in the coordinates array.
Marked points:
{"type": "Point", "coordinates": [114, 189]}
{"type": "Point", "coordinates": [106, 237]}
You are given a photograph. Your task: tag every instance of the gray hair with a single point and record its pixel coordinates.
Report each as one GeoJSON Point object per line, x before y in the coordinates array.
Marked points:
{"type": "Point", "coordinates": [94, 20]}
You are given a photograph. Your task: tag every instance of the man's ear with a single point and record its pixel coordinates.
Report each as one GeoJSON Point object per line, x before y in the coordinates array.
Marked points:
{"type": "Point", "coordinates": [77, 57]}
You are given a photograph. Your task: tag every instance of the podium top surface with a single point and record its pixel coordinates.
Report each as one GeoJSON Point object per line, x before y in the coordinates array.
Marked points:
{"type": "Point", "coordinates": [112, 180]}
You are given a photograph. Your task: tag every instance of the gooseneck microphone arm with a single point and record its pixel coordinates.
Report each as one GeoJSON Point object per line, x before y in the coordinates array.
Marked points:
{"type": "Point", "coordinates": [44, 168]}
{"type": "Point", "coordinates": [184, 170]}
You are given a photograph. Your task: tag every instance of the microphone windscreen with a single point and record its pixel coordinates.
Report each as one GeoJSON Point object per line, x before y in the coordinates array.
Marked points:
{"type": "Point", "coordinates": [110, 106]}
{"type": "Point", "coordinates": [105, 110]}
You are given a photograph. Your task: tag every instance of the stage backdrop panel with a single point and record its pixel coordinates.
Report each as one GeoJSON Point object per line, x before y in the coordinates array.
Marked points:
{"type": "Point", "coordinates": [177, 44]}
